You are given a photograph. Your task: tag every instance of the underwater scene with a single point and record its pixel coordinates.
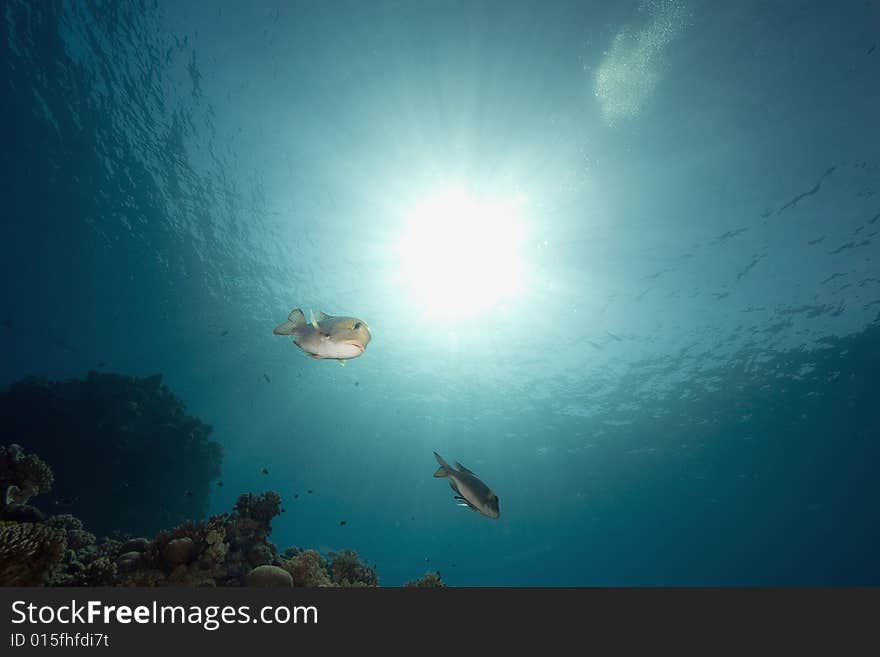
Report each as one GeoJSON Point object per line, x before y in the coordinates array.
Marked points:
{"type": "Point", "coordinates": [440, 293]}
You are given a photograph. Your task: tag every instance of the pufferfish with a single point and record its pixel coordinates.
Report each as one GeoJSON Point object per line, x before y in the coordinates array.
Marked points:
{"type": "Point", "coordinates": [324, 336]}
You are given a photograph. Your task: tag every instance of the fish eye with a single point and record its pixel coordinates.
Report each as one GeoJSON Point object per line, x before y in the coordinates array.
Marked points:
{"type": "Point", "coordinates": [357, 325]}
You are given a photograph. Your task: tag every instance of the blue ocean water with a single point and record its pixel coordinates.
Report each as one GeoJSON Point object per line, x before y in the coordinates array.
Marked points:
{"type": "Point", "coordinates": [618, 259]}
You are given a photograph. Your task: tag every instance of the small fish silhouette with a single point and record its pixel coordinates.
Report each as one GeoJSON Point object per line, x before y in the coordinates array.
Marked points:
{"type": "Point", "coordinates": [265, 471]}
{"type": "Point", "coordinates": [343, 522]}
{"type": "Point", "coordinates": [266, 376]}
{"type": "Point", "coordinates": [220, 483]}
{"type": "Point", "coordinates": [309, 491]}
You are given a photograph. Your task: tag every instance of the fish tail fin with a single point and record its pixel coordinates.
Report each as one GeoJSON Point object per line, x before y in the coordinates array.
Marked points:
{"type": "Point", "coordinates": [444, 469]}
{"type": "Point", "coordinates": [295, 319]}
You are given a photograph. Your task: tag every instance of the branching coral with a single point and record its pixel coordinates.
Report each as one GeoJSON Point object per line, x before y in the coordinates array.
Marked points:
{"type": "Point", "coordinates": [259, 507]}
{"type": "Point", "coordinates": [29, 552]}
{"type": "Point", "coordinates": [308, 568]}
{"type": "Point", "coordinates": [346, 569]}
{"type": "Point", "coordinates": [100, 572]}
{"type": "Point", "coordinates": [247, 531]}
{"type": "Point", "coordinates": [431, 579]}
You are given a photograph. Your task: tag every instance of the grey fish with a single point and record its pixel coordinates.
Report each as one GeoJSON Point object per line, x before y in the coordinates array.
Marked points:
{"type": "Point", "coordinates": [470, 491]}
{"type": "Point", "coordinates": [325, 336]}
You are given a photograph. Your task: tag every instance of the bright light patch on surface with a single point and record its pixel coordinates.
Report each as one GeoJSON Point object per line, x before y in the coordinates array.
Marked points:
{"type": "Point", "coordinates": [461, 255]}
{"type": "Point", "coordinates": [631, 69]}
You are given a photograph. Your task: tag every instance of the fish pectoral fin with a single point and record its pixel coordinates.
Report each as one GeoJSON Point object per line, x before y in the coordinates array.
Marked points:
{"type": "Point", "coordinates": [342, 362]}
{"type": "Point", "coordinates": [313, 322]}
{"type": "Point", "coordinates": [465, 502]}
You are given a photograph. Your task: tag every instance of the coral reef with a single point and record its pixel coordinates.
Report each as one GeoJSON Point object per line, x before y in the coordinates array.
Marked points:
{"type": "Point", "coordinates": [261, 508]}
{"type": "Point", "coordinates": [29, 552]}
{"type": "Point", "coordinates": [192, 554]}
{"type": "Point", "coordinates": [269, 576]}
{"type": "Point", "coordinates": [230, 549]}
{"type": "Point", "coordinates": [431, 579]}
{"type": "Point", "coordinates": [179, 551]}
{"type": "Point", "coordinates": [121, 439]}
{"type": "Point", "coordinates": [100, 572]}
{"type": "Point", "coordinates": [22, 475]}
{"type": "Point", "coordinates": [346, 569]}
{"type": "Point", "coordinates": [307, 567]}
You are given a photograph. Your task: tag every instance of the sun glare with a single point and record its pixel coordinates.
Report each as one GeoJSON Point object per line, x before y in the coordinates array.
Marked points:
{"type": "Point", "coordinates": [461, 254]}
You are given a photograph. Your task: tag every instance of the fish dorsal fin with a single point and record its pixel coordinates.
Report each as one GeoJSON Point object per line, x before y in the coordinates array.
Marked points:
{"type": "Point", "coordinates": [295, 319]}
{"type": "Point", "coordinates": [313, 322]}
{"type": "Point", "coordinates": [321, 316]}
{"type": "Point", "coordinates": [463, 469]}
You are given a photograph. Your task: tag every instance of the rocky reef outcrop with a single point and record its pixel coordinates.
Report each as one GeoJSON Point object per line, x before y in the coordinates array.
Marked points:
{"type": "Point", "coordinates": [134, 459]}
{"type": "Point", "coordinates": [229, 549]}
